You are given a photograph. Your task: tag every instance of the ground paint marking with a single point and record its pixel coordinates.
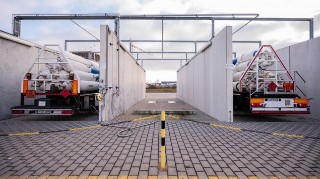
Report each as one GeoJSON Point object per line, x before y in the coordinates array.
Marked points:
{"type": "Point", "coordinates": [287, 135]}
{"type": "Point", "coordinates": [144, 118]}
{"type": "Point", "coordinates": [24, 133]}
{"type": "Point", "coordinates": [226, 127]}
{"type": "Point", "coordinates": [171, 102]}
{"type": "Point", "coordinates": [84, 128]}
{"type": "Point", "coordinates": [152, 101]}
{"type": "Point", "coordinates": [174, 116]}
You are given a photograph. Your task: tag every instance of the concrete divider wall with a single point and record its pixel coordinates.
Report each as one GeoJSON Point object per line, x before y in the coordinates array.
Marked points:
{"type": "Point", "coordinates": [121, 76]}
{"type": "Point", "coordinates": [15, 58]}
{"type": "Point", "coordinates": [206, 81]}
{"type": "Point", "coordinates": [304, 58]}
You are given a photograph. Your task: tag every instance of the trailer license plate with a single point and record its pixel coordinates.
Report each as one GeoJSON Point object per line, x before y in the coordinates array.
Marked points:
{"type": "Point", "coordinates": [41, 103]}
{"type": "Point", "coordinates": [43, 112]}
{"type": "Point", "coordinates": [279, 102]}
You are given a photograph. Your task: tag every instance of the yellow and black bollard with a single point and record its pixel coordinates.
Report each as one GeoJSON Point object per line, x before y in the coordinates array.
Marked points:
{"type": "Point", "coordinates": [163, 141]}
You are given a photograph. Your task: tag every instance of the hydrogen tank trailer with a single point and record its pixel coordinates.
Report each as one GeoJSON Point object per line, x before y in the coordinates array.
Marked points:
{"type": "Point", "coordinates": [263, 85]}
{"type": "Point", "coordinates": [61, 84]}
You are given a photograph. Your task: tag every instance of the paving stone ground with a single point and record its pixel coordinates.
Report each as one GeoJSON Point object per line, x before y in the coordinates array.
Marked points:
{"type": "Point", "coordinates": [192, 149]}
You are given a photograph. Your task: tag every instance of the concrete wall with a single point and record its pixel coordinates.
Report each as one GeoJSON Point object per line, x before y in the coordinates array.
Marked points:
{"type": "Point", "coordinates": [304, 58]}
{"type": "Point", "coordinates": [206, 81]}
{"type": "Point", "coordinates": [16, 57]}
{"type": "Point", "coordinates": [124, 83]}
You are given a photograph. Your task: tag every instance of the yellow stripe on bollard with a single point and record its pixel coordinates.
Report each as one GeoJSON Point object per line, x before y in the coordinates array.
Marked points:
{"type": "Point", "coordinates": [163, 142]}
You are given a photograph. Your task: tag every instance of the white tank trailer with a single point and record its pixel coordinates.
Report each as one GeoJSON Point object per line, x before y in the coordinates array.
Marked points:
{"type": "Point", "coordinates": [263, 85]}
{"type": "Point", "coordinates": [61, 84]}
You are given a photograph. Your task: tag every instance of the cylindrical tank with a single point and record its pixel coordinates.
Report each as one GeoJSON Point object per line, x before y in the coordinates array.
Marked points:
{"type": "Point", "coordinates": [237, 76]}
{"type": "Point", "coordinates": [247, 57]}
{"type": "Point", "coordinates": [89, 85]}
{"type": "Point", "coordinates": [236, 86]}
{"type": "Point", "coordinates": [86, 76]}
{"type": "Point", "coordinates": [86, 70]}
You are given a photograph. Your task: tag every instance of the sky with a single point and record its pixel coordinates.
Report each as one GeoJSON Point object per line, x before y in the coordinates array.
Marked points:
{"type": "Point", "coordinates": [278, 34]}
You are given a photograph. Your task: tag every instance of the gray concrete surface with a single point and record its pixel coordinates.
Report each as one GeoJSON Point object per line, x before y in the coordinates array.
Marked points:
{"type": "Point", "coordinates": [193, 149]}
{"type": "Point", "coordinates": [121, 76]}
{"type": "Point", "coordinates": [205, 82]}
{"type": "Point", "coordinates": [303, 57]}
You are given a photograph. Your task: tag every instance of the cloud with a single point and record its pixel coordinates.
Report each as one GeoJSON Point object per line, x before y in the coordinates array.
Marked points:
{"type": "Point", "coordinates": [279, 34]}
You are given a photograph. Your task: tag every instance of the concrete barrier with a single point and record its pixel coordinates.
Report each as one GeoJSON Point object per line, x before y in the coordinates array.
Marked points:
{"type": "Point", "coordinates": [205, 82]}
{"type": "Point", "coordinates": [304, 58]}
{"type": "Point", "coordinates": [122, 79]}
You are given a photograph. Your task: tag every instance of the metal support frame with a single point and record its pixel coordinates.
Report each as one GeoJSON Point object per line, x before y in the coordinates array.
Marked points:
{"type": "Point", "coordinates": [163, 52]}
{"type": "Point", "coordinates": [112, 16]}
{"type": "Point", "coordinates": [117, 26]}
{"type": "Point", "coordinates": [212, 28]}
{"type": "Point", "coordinates": [17, 18]}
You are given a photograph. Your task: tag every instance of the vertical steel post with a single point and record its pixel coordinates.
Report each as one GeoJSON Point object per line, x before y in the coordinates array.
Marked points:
{"type": "Point", "coordinates": [162, 38]}
{"type": "Point", "coordinates": [16, 26]}
{"type": "Point", "coordinates": [311, 35]}
{"type": "Point", "coordinates": [130, 46]}
{"type": "Point", "coordinates": [163, 141]}
{"type": "Point", "coordinates": [212, 28]}
{"type": "Point", "coordinates": [65, 45]}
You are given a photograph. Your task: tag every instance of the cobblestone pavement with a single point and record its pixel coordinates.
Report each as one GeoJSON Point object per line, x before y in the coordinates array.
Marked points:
{"type": "Point", "coordinates": [193, 150]}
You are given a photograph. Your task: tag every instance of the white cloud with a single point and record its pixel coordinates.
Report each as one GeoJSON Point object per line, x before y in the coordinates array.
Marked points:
{"type": "Point", "coordinates": [275, 33]}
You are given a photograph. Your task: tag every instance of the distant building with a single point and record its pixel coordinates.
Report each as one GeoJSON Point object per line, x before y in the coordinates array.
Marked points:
{"type": "Point", "coordinates": [168, 83]}
{"type": "Point", "coordinates": [153, 85]}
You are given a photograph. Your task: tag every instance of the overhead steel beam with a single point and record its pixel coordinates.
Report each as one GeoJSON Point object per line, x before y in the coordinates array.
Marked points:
{"type": "Point", "coordinates": [173, 41]}
{"type": "Point", "coordinates": [156, 59]}
{"type": "Point", "coordinates": [151, 17]}
{"type": "Point", "coordinates": [158, 41]}
{"type": "Point", "coordinates": [212, 17]}
{"type": "Point", "coordinates": [104, 16]}
{"type": "Point", "coordinates": [261, 19]}
{"type": "Point", "coordinates": [163, 52]}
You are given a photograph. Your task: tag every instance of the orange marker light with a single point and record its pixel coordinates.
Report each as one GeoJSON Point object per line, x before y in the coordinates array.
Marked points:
{"type": "Point", "coordinates": [25, 86]}
{"type": "Point", "coordinates": [301, 100]}
{"type": "Point", "coordinates": [75, 87]}
{"type": "Point", "coordinates": [257, 100]}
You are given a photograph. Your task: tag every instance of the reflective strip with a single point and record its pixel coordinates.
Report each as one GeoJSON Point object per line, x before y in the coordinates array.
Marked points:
{"type": "Point", "coordinates": [163, 133]}
{"type": "Point", "coordinates": [282, 109]}
{"type": "Point", "coordinates": [163, 157]}
{"type": "Point", "coordinates": [163, 116]}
